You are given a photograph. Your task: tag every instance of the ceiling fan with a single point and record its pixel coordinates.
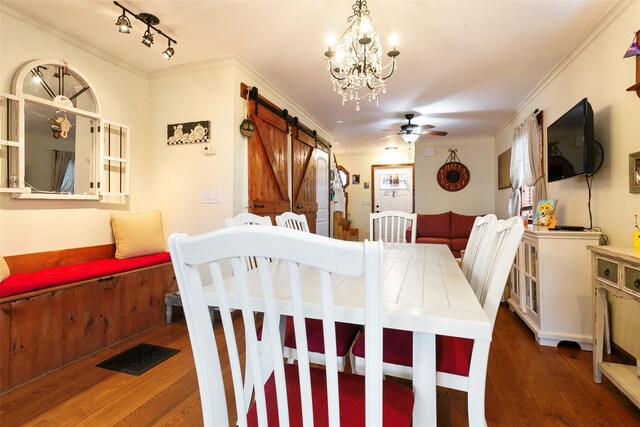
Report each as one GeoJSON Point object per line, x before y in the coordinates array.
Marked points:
{"type": "Point", "coordinates": [410, 132]}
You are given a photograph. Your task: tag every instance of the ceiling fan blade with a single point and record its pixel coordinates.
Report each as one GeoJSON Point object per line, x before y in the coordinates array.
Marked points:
{"type": "Point", "coordinates": [434, 132]}
{"type": "Point", "coordinates": [427, 126]}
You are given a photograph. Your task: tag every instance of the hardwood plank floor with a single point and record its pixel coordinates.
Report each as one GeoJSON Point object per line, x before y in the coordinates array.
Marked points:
{"type": "Point", "coordinates": [528, 385]}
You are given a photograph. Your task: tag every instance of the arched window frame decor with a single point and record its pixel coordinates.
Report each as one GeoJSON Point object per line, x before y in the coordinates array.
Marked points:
{"type": "Point", "coordinates": [108, 154]}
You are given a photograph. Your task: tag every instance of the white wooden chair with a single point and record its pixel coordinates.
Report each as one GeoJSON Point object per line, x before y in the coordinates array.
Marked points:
{"type": "Point", "coordinates": [293, 221]}
{"type": "Point", "coordinates": [247, 218]}
{"type": "Point", "coordinates": [476, 250]}
{"type": "Point", "coordinates": [287, 394]}
{"type": "Point", "coordinates": [345, 332]}
{"type": "Point", "coordinates": [461, 363]}
{"type": "Point", "coordinates": [391, 226]}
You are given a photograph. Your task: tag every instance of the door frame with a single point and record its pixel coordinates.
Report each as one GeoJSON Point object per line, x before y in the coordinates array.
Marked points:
{"type": "Point", "coordinates": [390, 166]}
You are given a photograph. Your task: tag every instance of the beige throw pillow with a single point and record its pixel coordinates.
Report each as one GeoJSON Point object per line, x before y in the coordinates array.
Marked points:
{"type": "Point", "coordinates": [4, 269]}
{"type": "Point", "coordinates": [138, 234]}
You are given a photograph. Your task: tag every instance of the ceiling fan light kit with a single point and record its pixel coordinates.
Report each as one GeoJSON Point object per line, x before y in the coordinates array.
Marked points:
{"type": "Point", "coordinates": [410, 132]}
{"type": "Point", "coordinates": [355, 64]}
{"type": "Point", "coordinates": [124, 26]}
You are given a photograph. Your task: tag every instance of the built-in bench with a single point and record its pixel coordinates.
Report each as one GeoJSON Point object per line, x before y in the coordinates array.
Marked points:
{"type": "Point", "coordinates": [60, 306]}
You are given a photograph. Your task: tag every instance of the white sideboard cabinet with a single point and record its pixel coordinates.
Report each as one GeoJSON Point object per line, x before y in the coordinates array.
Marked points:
{"type": "Point", "coordinates": [551, 285]}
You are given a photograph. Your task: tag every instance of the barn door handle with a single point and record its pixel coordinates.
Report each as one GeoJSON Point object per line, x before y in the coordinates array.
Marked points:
{"type": "Point", "coordinates": [258, 205]}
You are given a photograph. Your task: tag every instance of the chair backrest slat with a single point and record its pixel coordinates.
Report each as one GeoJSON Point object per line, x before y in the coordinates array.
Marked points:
{"type": "Point", "coordinates": [293, 221]}
{"type": "Point", "coordinates": [504, 240]}
{"type": "Point", "coordinates": [303, 260]}
{"type": "Point", "coordinates": [391, 226]}
{"type": "Point", "coordinates": [477, 247]}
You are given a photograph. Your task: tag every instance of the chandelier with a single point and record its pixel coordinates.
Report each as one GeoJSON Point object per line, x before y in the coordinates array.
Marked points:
{"type": "Point", "coordinates": [356, 62]}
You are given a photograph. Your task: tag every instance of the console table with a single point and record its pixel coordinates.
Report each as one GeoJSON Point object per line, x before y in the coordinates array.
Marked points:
{"type": "Point", "coordinates": [615, 270]}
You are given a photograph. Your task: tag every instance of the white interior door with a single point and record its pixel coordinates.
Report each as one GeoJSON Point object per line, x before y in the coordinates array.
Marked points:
{"type": "Point", "coordinates": [392, 190]}
{"type": "Point", "coordinates": [322, 193]}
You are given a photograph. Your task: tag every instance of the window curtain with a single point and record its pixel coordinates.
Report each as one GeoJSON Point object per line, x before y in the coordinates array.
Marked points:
{"type": "Point", "coordinates": [526, 164]}
{"type": "Point", "coordinates": [63, 174]}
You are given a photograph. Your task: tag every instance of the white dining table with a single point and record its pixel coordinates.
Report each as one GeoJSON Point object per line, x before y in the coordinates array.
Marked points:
{"type": "Point", "coordinates": [424, 291]}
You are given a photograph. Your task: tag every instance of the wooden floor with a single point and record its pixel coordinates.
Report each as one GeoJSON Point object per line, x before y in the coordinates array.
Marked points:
{"type": "Point", "coordinates": [528, 385]}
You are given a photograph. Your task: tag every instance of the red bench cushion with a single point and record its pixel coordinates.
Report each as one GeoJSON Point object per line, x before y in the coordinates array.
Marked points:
{"type": "Point", "coordinates": [27, 282]}
{"type": "Point", "coordinates": [397, 400]}
{"type": "Point", "coordinates": [453, 355]}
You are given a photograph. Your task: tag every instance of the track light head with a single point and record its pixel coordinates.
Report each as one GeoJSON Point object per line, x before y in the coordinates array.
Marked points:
{"type": "Point", "coordinates": [123, 23]}
{"type": "Point", "coordinates": [168, 52]}
{"type": "Point", "coordinates": [147, 39]}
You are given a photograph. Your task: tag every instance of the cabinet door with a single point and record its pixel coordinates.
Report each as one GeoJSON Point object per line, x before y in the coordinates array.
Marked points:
{"type": "Point", "coordinates": [531, 277]}
{"type": "Point", "coordinates": [514, 278]}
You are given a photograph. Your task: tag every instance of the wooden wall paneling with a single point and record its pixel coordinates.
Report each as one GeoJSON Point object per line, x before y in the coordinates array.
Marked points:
{"type": "Point", "coordinates": [5, 345]}
{"type": "Point", "coordinates": [134, 309]}
{"type": "Point", "coordinates": [40, 350]}
{"type": "Point", "coordinates": [268, 163]}
{"type": "Point", "coordinates": [304, 182]}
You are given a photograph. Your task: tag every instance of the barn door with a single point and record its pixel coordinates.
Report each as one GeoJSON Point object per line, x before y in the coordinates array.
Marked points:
{"type": "Point", "coordinates": [303, 161]}
{"type": "Point", "coordinates": [268, 164]}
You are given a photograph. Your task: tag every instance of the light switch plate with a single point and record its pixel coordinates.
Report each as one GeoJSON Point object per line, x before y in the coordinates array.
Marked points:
{"type": "Point", "coordinates": [209, 149]}
{"type": "Point", "coordinates": [210, 196]}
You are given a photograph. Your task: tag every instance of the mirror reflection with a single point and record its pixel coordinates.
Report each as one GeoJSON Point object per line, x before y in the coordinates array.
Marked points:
{"type": "Point", "coordinates": [58, 148]}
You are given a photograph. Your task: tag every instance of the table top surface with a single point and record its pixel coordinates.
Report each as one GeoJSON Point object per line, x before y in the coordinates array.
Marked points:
{"type": "Point", "coordinates": [424, 290]}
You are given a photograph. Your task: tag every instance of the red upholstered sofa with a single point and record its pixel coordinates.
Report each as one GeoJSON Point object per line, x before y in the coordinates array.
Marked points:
{"type": "Point", "coordinates": [447, 228]}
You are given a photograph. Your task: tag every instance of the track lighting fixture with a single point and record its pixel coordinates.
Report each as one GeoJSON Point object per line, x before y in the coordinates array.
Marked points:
{"type": "Point", "coordinates": [124, 26]}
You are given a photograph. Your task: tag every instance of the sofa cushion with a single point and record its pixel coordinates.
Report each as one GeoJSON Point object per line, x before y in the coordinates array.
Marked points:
{"type": "Point", "coordinates": [461, 225]}
{"type": "Point", "coordinates": [430, 225]}
{"type": "Point", "coordinates": [456, 245]}
{"type": "Point", "coordinates": [27, 282]}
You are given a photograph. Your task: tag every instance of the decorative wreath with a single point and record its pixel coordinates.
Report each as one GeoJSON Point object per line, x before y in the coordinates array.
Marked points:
{"type": "Point", "coordinates": [453, 175]}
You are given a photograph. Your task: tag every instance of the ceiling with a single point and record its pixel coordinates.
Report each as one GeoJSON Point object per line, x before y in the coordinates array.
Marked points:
{"type": "Point", "coordinates": [464, 66]}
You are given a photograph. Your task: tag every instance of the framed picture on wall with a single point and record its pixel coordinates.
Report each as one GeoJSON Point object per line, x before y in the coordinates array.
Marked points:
{"type": "Point", "coordinates": [504, 165]}
{"type": "Point", "coordinates": [355, 179]}
{"type": "Point", "coordinates": [634, 172]}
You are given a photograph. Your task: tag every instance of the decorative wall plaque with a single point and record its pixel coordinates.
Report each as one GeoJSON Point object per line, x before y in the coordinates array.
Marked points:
{"type": "Point", "coordinates": [188, 133]}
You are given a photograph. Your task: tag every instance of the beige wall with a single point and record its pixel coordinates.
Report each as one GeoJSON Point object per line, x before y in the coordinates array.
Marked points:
{"type": "Point", "coordinates": [596, 71]}
{"type": "Point", "coordinates": [477, 197]}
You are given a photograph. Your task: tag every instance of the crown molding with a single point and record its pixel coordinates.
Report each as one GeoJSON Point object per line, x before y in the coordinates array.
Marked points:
{"type": "Point", "coordinates": [612, 14]}
{"type": "Point", "coordinates": [50, 28]}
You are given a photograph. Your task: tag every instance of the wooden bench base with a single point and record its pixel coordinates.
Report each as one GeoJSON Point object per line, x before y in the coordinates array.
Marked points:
{"type": "Point", "coordinates": [47, 329]}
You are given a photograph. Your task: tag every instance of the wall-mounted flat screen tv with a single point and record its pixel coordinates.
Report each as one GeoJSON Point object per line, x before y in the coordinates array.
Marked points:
{"type": "Point", "coordinates": [571, 148]}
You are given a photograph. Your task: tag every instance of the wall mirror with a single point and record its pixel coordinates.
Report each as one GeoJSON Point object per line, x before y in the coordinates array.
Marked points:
{"type": "Point", "coordinates": [62, 148]}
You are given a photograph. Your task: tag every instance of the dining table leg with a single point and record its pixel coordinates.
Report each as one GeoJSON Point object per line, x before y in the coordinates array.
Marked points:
{"type": "Point", "coordinates": [424, 379]}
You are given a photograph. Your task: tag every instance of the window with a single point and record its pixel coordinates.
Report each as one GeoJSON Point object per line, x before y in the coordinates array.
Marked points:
{"type": "Point", "coordinates": [55, 143]}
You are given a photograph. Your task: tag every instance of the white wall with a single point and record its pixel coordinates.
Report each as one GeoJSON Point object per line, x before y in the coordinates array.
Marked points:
{"type": "Point", "coordinates": [477, 154]}
{"type": "Point", "coordinates": [596, 71]}
{"type": "Point", "coordinates": [40, 225]}
{"type": "Point", "coordinates": [360, 164]}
